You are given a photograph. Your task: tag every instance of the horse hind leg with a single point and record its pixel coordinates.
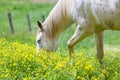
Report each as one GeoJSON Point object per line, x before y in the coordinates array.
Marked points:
{"type": "Point", "coordinates": [99, 46]}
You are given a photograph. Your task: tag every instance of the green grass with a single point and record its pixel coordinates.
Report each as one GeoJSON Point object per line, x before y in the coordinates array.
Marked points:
{"type": "Point", "coordinates": [19, 9]}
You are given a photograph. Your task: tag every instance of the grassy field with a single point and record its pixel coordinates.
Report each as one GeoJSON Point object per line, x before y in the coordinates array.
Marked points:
{"type": "Point", "coordinates": [18, 59]}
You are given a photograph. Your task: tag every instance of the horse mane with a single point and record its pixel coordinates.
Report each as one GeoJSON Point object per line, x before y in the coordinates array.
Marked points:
{"type": "Point", "coordinates": [59, 18]}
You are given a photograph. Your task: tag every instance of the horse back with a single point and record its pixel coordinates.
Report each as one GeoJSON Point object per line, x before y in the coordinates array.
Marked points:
{"type": "Point", "coordinates": [107, 13]}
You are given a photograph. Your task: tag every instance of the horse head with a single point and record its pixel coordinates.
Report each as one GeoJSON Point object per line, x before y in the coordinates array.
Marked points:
{"type": "Point", "coordinates": [43, 40]}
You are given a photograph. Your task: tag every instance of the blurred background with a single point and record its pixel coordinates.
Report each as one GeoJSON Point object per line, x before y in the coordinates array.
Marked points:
{"type": "Point", "coordinates": [18, 23]}
{"type": "Point", "coordinates": [20, 10]}
{"type": "Point", "coordinates": [18, 18]}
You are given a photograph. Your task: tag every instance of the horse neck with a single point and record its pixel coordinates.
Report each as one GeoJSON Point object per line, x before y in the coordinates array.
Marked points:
{"type": "Point", "coordinates": [59, 19]}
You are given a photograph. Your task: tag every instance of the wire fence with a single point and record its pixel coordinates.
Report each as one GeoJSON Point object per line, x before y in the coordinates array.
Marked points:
{"type": "Point", "coordinates": [28, 22]}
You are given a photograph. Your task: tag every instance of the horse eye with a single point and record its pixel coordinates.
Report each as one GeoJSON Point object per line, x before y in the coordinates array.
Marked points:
{"type": "Point", "coordinates": [38, 41]}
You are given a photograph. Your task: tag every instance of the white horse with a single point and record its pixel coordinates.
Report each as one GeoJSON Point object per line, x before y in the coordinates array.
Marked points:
{"type": "Point", "coordinates": [92, 17]}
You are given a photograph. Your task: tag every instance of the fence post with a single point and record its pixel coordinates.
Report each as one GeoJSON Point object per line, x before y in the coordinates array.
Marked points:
{"type": "Point", "coordinates": [10, 21]}
{"type": "Point", "coordinates": [43, 18]}
{"type": "Point", "coordinates": [29, 25]}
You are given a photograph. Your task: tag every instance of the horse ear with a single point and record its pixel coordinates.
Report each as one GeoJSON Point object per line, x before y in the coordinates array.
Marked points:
{"type": "Point", "coordinates": [40, 25]}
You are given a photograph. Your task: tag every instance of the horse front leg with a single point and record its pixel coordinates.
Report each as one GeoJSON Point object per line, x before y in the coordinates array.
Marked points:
{"type": "Point", "coordinates": [80, 33]}
{"type": "Point", "coordinates": [99, 46]}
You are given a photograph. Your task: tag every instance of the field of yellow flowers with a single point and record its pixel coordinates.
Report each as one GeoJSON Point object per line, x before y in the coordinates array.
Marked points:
{"type": "Point", "coordinates": [21, 62]}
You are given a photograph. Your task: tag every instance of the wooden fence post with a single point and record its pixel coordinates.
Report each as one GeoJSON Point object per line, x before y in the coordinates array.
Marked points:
{"type": "Point", "coordinates": [29, 25]}
{"type": "Point", "coordinates": [10, 21]}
